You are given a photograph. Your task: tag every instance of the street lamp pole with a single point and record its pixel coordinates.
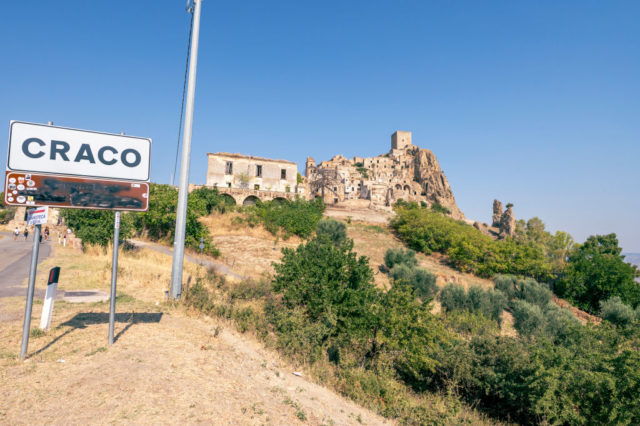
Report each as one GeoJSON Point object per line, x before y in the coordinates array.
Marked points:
{"type": "Point", "coordinates": [183, 191]}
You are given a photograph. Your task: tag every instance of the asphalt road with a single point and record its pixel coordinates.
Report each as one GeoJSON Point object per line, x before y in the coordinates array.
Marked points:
{"type": "Point", "coordinates": [15, 258]}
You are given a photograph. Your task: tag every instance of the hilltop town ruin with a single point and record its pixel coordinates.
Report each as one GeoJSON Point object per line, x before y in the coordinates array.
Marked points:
{"type": "Point", "coordinates": [407, 172]}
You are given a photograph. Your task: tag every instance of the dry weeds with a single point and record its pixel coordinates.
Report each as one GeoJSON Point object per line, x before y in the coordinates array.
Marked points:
{"type": "Point", "coordinates": [165, 367]}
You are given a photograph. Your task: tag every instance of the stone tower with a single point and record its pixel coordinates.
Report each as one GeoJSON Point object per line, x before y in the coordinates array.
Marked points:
{"type": "Point", "coordinates": [310, 165]}
{"type": "Point", "coordinates": [400, 140]}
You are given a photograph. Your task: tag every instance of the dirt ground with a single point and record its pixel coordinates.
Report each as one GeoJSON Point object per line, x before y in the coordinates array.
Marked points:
{"type": "Point", "coordinates": [166, 366]}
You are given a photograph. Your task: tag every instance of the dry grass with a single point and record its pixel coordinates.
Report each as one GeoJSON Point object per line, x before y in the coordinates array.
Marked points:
{"type": "Point", "coordinates": [374, 239]}
{"type": "Point", "coordinates": [166, 366]}
{"type": "Point", "coordinates": [249, 251]}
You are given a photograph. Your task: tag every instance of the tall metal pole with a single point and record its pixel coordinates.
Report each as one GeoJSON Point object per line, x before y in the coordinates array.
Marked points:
{"type": "Point", "coordinates": [181, 212]}
{"type": "Point", "coordinates": [26, 326]}
{"type": "Point", "coordinates": [114, 275]}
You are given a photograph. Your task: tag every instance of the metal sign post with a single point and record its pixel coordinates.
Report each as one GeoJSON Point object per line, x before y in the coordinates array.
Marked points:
{"type": "Point", "coordinates": [183, 192]}
{"type": "Point", "coordinates": [26, 326]}
{"type": "Point", "coordinates": [72, 168]}
{"type": "Point", "coordinates": [114, 275]}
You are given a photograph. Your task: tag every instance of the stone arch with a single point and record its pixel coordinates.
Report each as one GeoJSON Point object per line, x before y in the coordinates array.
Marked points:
{"type": "Point", "coordinates": [399, 187]}
{"type": "Point", "coordinates": [228, 199]}
{"type": "Point", "coordinates": [280, 200]}
{"type": "Point", "coordinates": [251, 200]}
{"type": "Point", "coordinates": [407, 188]}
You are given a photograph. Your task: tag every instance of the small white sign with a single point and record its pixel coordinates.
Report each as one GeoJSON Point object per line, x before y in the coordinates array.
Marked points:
{"type": "Point", "coordinates": [37, 216]}
{"type": "Point", "coordinates": [72, 152]}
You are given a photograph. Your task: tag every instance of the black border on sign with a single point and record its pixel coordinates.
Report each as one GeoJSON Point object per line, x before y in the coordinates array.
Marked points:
{"type": "Point", "coordinates": [12, 122]}
{"type": "Point", "coordinates": [28, 206]}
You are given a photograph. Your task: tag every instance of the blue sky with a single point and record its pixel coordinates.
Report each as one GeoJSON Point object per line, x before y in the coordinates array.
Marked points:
{"type": "Point", "coordinates": [532, 102]}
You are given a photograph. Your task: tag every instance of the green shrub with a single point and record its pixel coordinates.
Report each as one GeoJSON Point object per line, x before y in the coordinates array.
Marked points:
{"type": "Point", "coordinates": [528, 319]}
{"type": "Point", "coordinates": [439, 208]}
{"type": "Point", "coordinates": [467, 248]}
{"type": "Point", "coordinates": [596, 271]}
{"type": "Point", "coordinates": [617, 312]}
{"type": "Point", "coordinates": [96, 226]}
{"type": "Point", "coordinates": [559, 323]}
{"type": "Point", "coordinates": [159, 222]}
{"type": "Point", "coordinates": [334, 230]}
{"type": "Point", "coordinates": [332, 284]}
{"type": "Point", "coordinates": [394, 256]}
{"type": "Point", "coordinates": [297, 217]}
{"type": "Point", "coordinates": [507, 284]}
{"type": "Point", "coordinates": [453, 298]}
{"type": "Point", "coordinates": [526, 289]}
{"type": "Point", "coordinates": [424, 282]}
{"type": "Point", "coordinates": [489, 303]}
{"type": "Point", "coordinates": [420, 279]}
{"type": "Point", "coordinates": [401, 271]}
{"type": "Point", "coordinates": [533, 292]}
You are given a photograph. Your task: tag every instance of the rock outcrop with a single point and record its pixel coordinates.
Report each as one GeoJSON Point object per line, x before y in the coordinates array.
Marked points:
{"type": "Point", "coordinates": [497, 213]}
{"type": "Point", "coordinates": [508, 223]}
{"type": "Point", "coordinates": [434, 183]}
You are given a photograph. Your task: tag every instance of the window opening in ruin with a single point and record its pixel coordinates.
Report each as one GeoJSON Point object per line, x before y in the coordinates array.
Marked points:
{"type": "Point", "coordinates": [259, 170]}
{"type": "Point", "coordinates": [228, 169]}
{"type": "Point", "coordinates": [287, 189]}
{"type": "Point", "coordinates": [229, 184]}
{"type": "Point", "coordinates": [283, 173]}
{"type": "Point", "coordinates": [256, 187]}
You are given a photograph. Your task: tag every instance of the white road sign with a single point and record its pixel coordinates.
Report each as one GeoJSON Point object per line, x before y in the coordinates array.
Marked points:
{"type": "Point", "coordinates": [37, 216]}
{"type": "Point", "coordinates": [51, 149]}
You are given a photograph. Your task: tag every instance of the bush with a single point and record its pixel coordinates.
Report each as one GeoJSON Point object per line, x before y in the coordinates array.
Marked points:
{"type": "Point", "coordinates": [334, 230]}
{"type": "Point", "coordinates": [617, 312]}
{"type": "Point", "coordinates": [489, 303]}
{"type": "Point", "coordinates": [528, 318]}
{"type": "Point", "coordinates": [297, 217]}
{"type": "Point", "coordinates": [533, 292]}
{"type": "Point", "coordinates": [559, 323]}
{"type": "Point", "coordinates": [160, 221]}
{"type": "Point", "coordinates": [96, 226]}
{"type": "Point", "coordinates": [332, 286]}
{"type": "Point", "coordinates": [422, 281]}
{"type": "Point", "coordinates": [453, 298]}
{"type": "Point", "coordinates": [507, 284]}
{"type": "Point", "coordinates": [395, 256]}
{"type": "Point", "coordinates": [526, 289]}
{"type": "Point", "coordinates": [596, 271]}
{"type": "Point", "coordinates": [467, 248]}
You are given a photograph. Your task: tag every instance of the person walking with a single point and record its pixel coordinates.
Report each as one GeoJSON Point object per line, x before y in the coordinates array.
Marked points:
{"type": "Point", "coordinates": [26, 233]}
{"type": "Point", "coordinates": [46, 233]}
{"type": "Point", "coordinates": [16, 234]}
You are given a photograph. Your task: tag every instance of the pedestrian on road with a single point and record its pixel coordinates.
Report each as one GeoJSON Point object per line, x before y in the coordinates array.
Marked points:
{"type": "Point", "coordinates": [46, 233]}
{"type": "Point", "coordinates": [64, 241]}
{"type": "Point", "coordinates": [16, 234]}
{"type": "Point", "coordinates": [26, 233]}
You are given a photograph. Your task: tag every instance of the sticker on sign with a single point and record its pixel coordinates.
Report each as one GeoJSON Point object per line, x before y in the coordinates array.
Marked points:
{"type": "Point", "coordinates": [37, 216]}
{"type": "Point", "coordinates": [50, 149]}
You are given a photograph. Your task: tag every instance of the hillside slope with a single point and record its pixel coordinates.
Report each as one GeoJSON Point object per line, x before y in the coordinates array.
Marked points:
{"type": "Point", "coordinates": [167, 366]}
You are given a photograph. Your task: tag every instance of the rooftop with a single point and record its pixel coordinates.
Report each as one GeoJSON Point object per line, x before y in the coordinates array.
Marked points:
{"type": "Point", "coordinates": [248, 157]}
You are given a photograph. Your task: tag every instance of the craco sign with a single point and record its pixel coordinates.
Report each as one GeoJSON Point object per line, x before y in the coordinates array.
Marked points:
{"type": "Point", "coordinates": [40, 148]}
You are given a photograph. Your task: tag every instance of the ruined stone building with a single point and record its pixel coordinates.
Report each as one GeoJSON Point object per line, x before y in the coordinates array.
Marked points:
{"type": "Point", "coordinates": [406, 172]}
{"type": "Point", "coordinates": [249, 172]}
{"type": "Point", "coordinates": [247, 178]}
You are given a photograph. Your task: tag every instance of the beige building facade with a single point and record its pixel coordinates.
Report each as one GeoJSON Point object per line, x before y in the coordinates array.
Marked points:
{"type": "Point", "coordinates": [237, 171]}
